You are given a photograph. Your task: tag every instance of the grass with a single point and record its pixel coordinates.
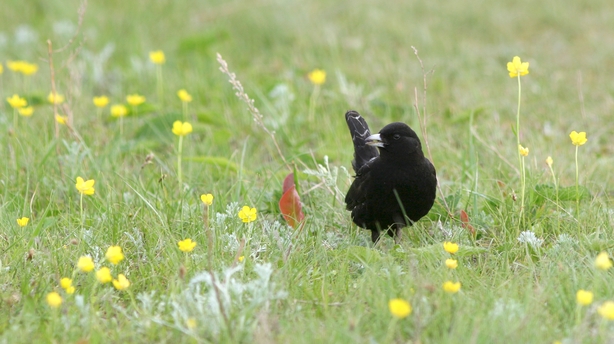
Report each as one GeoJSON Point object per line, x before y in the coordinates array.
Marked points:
{"type": "Point", "coordinates": [326, 282]}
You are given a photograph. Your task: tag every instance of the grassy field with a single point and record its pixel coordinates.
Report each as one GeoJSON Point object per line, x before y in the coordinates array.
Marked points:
{"type": "Point", "coordinates": [519, 266]}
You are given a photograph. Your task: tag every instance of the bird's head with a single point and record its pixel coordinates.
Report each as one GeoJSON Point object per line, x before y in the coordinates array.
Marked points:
{"type": "Point", "coordinates": [396, 139]}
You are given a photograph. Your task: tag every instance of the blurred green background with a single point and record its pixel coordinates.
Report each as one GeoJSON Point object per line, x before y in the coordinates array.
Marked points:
{"type": "Point", "coordinates": [366, 49]}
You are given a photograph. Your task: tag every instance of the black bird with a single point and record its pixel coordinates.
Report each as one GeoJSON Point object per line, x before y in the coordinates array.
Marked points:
{"type": "Point", "coordinates": [394, 187]}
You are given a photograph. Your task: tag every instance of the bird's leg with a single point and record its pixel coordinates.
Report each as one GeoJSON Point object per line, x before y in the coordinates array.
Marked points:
{"type": "Point", "coordinates": [374, 236]}
{"type": "Point", "coordinates": [397, 233]}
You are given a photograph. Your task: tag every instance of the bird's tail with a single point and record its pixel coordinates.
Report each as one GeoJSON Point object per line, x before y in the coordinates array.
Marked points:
{"type": "Point", "coordinates": [360, 131]}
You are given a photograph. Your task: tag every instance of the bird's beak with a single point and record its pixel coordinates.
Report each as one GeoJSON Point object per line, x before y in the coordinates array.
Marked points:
{"type": "Point", "coordinates": [375, 140]}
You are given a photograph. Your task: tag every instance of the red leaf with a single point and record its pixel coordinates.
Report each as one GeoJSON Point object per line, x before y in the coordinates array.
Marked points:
{"type": "Point", "coordinates": [465, 221]}
{"type": "Point", "coordinates": [290, 203]}
{"type": "Point", "coordinates": [288, 182]}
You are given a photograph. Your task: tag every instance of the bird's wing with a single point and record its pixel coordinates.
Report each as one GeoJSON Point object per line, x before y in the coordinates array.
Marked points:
{"type": "Point", "coordinates": [359, 130]}
{"type": "Point", "coordinates": [431, 167]}
{"type": "Point", "coordinates": [357, 194]}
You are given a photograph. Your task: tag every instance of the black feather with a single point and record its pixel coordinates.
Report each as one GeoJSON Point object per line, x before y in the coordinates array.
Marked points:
{"type": "Point", "coordinates": [392, 188]}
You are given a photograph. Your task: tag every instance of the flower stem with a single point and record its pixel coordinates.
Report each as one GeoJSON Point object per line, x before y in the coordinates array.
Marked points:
{"type": "Point", "coordinates": [556, 190]}
{"type": "Point", "coordinates": [121, 126]}
{"type": "Point", "coordinates": [523, 181]}
{"type": "Point", "coordinates": [312, 102]}
{"type": "Point", "coordinates": [159, 84]}
{"type": "Point", "coordinates": [577, 186]}
{"type": "Point", "coordinates": [81, 207]}
{"type": "Point", "coordinates": [520, 160]}
{"type": "Point", "coordinates": [15, 120]}
{"type": "Point", "coordinates": [179, 152]}
{"type": "Point", "coordinates": [518, 117]}
{"type": "Point", "coordinates": [206, 217]}
{"type": "Point", "coordinates": [578, 315]}
{"type": "Point", "coordinates": [185, 111]}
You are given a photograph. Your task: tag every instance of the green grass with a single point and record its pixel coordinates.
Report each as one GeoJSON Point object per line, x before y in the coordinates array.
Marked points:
{"type": "Point", "coordinates": [327, 282]}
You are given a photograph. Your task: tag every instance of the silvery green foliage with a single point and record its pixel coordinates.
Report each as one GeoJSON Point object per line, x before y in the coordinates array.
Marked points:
{"type": "Point", "coordinates": [213, 301]}
{"type": "Point", "coordinates": [74, 157]}
{"type": "Point", "coordinates": [199, 301]}
{"type": "Point", "coordinates": [279, 232]}
{"type": "Point", "coordinates": [353, 93]}
{"type": "Point", "coordinates": [229, 242]}
{"type": "Point", "coordinates": [84, 311]}
{"type": "Point", "coordinates": [332, 240]}
{"type": "Point", "coordinates": [25, 35]}
{"type": "Point", "coordinates": [566, 240]}
{"type": "Point", "coordinates": [529, 238]}
{"type": "Point", "coordinates": [152, 310]}
{"type": "Point", "coordinates": [128, 197]}
{"type": "Point", "coordinates": [226, 227]}
{"type": "Point", "coordinates": [64, 28]}
{"type": "Point", "coordinates": [329, 175]}
{"type": "Point", "coordinates": [97, 62]}
{"type": "Point", "coordinates": [446, 231]}
{"type": "Point", "coordinates": [223, 221]}
{"type": "Point", "coordinates": [137, 239]}
{"type": "Point", "coordinates": [510, 310]}
{"type": "Point", "coordinates": [565, 250]}
{"type": "Point", "coordinates": [282, 98]}
{"type": "Point", "coordinates": [3, 40]}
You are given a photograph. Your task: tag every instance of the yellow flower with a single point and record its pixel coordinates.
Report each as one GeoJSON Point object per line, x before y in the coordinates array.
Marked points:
{"type": "Point", "coordinates": [452, 263]}
{"type": "Point", "coordinates": [23, 221]}
{"type": "Point", "coordinates": [1, 68]}
{"type": "Point", "coordinates": [399, 308]}
{"type": "Point", "coordinates": [22, 67]}
{"type": "Point", "coordinates": [119, 110]}
{"type": "Point", "coordinates": [549, 161]}
{"type": "Point", "coordinates": [191, 323]}
{"type": "Point", "coordinates": [207, 199]}
{"type": "Point", "coordinates": [584, 298]}
{"type": "Point", "coordinates": [317, 76]}
{"type": "Point", "coordinates": [135, 99]}
{"type": "Point", "coordinates": [247, 214]}
{"type": "Point", "coordinates": [101, 101]}
{"type": "Point", "coordinates": [602, 262]}
{"type": "Point", "coordinates": [26, 111]}
{"type": "Point", "coordinates": [28, 68]}
{"type": "Point", "coordinates": [523, 150]}
{"type": "Point", "coordinates": [241, 258]}
{"type": "Point", "coordinates": [517, 67]}
{"type": "Point", "coordinates": [70, 290]}
{"type": "Point", "coordinates": [55, 98]}
{"type": "Point", "coordinates": [114, 255]}
{"type": "Point", "coordinates": [578, 139]}
{"type": "Point", "coordinates": [184, 96]}
{"type": "Point", "coordinates": [606, 310]}
{"type": "Point", "coordinates": [181, 128]}
{"type": "Point", "coordinates": [15, 66]}
{"type": "Point", "coordinates": [451, 287]}
{"type": "Point", "coordinates": [85, 187]}
{"type": "Point", "coordinates": [85, 264]}
{"type": "Point", "coordinates": [54, 299]}
{"type": "Point", "coordinates": [121, 282]}
{"type": "Point", "coordinates": [65, 283]}
{"type": "Point", "coordinates": [61, 119]}
{"type": "Point", "coordinates": [103, 275]}
{"type": "Point", "coordinates": [186, 245]}
{"type": "Point", "coordinates": [157, 57]}
{"type": "Point", "coordinates": [450, 247]}
{"type": "Point", "coordinates": [16, 102]}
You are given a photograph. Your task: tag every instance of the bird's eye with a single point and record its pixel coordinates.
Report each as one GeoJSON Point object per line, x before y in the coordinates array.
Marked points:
{"type": "Point", "coordinates": [396, 136]}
